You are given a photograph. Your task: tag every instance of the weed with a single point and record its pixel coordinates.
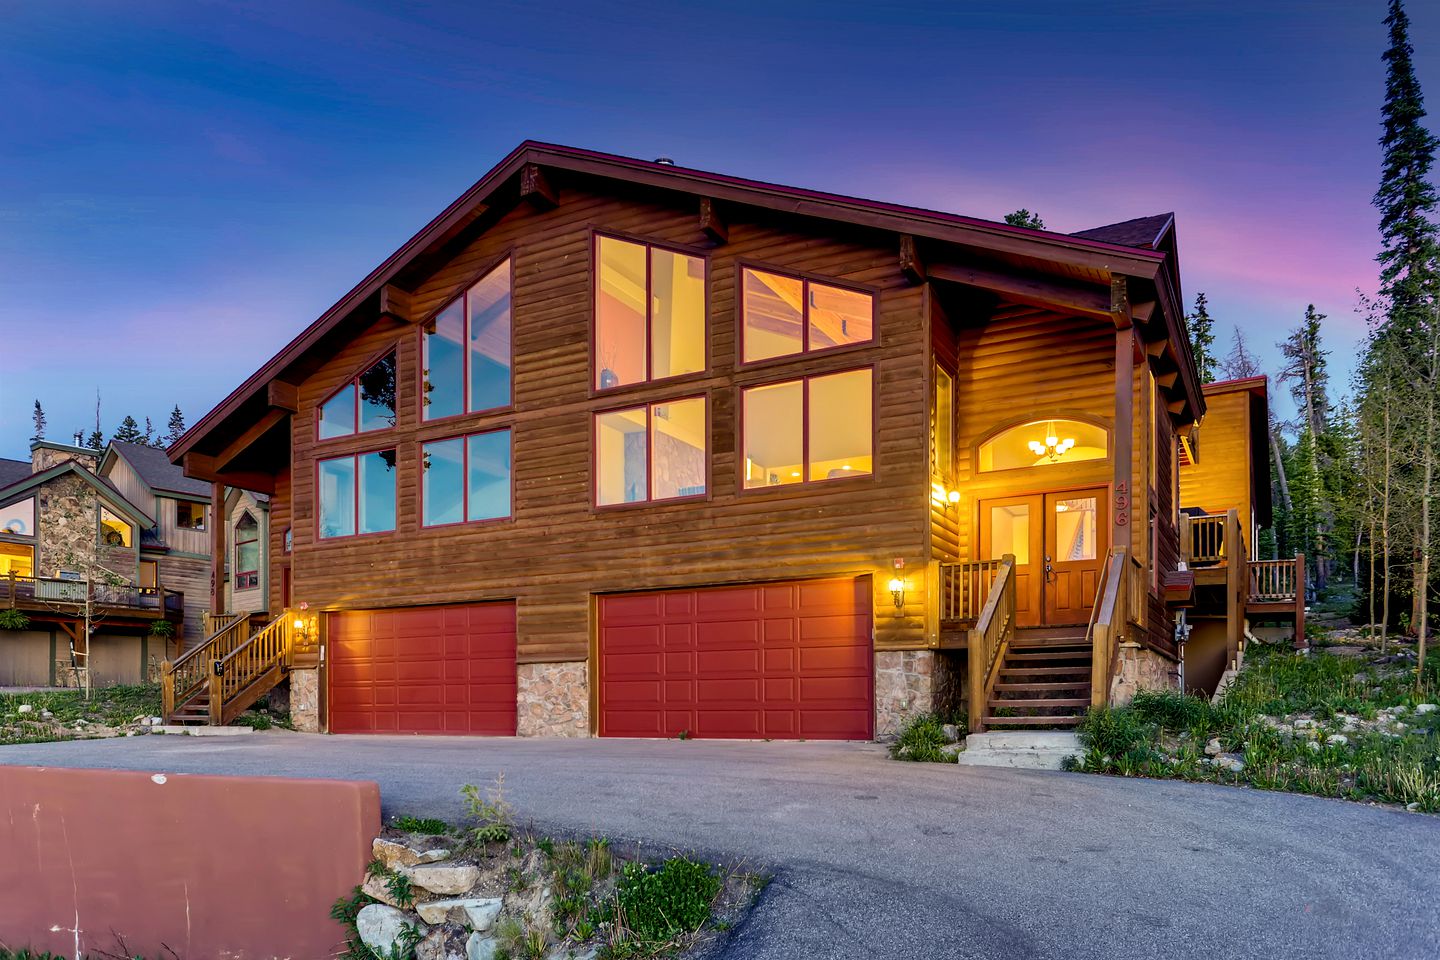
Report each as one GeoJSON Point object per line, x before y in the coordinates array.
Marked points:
{"type": "Point", "coordinates": [659, 904]}
{"type": "Point", "coordinates": [255, 721]}
{"type": "Point", "coordinates": [922, 739]}
{"type": "Point", "coordinates": [401, 890]}
{"type": "Point", "coordinates": [493, 813]}
{"type": "Point", "coordinates": [344, 911]}
{"type": "Point", "coordinates": [429, 826]}
{"type": "Point", "coordinates": [376, 868]}
{"type": "Point", "coordinates": [599, 860]}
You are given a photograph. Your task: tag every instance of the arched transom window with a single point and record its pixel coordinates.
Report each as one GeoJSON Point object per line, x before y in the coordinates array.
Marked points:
{"type": "Point", "coordinates": [1042, 443]}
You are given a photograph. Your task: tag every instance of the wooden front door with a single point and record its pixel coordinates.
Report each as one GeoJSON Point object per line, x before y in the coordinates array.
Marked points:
{"type": "Point", "coordinates": [1058, 543]}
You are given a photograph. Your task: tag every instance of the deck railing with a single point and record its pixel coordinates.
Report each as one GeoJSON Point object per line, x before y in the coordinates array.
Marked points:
{"type": "Point", "coordinates": [989, 638]}
{"type": "Point", "coordinates": [187, 675]}
{"type": "Point", "coordinates": [1107, 623]}
{"type": "Point", "coordinates": [43, 591]}
{"type": "Point", "coordinates": [964, 588]}
{"type": "Point", "coordinates": [1206, 542]}
{"type": "Point", "coordinates": [1274, 581]}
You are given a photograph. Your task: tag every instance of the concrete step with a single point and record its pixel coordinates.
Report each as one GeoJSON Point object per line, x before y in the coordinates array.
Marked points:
{"type": "Point", "coordinates": [1030, 749]}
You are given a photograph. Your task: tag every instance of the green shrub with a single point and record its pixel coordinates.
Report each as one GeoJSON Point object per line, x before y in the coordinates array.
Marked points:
{"type": "Point", "coordinates": [11, 619]}
{"type": "Point", "coordinates": [658, 905]}
{"type": "Point", "coordinates": [162, 629]}
{"type": "Point", "coordinates": [255, 721]}
{"type": "Point", "coordinates": [922, 739]}
{"type": "Point", "coordinates": [1171, 709]}
{"type": "Point", "coordinates": [429, 826]}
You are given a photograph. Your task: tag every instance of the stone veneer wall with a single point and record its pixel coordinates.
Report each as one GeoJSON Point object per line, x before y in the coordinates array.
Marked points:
{"type": "Point", "coordinates": [66, 532]}
{"type": "Point", "coordinates": [305, 700]}
{"type": "Point", "coordinates": [908, 682]}
{"type": "Point", "coordinates": [552, 699]}
{"type": "Point", "coordinates": [1141, 668]}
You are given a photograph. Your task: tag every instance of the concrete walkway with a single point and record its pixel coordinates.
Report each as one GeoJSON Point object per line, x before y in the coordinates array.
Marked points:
{"type": "Point", "coordinates": [879, 859]}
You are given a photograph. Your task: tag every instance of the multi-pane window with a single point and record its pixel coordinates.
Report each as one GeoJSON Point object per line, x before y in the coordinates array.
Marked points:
{"type": "Point", "coordinates": [466, 350]}
{"type": "Point", "coordinates": [783, 316]}
{"type": "Point", "coordinates": [247, 552]}
{"type": "Point", "coordinates": [364, 404]}
{"type": "Point", "coordinates": [944, 465]}
{"type": "Point", "coordinates": [815, 428]}
{"type": "Point", "coordinates": [658, 451]}
{"type": "Point", "coordinates": [465, 479]}
{"type": "Point", "coordinates": [357, 494]}
{"type": "Point", "coordinates": [115, 532]}
{"type": "Point", "coordinates": [649, 313]}
{"type": "Point", "coordinates": [189, 515]}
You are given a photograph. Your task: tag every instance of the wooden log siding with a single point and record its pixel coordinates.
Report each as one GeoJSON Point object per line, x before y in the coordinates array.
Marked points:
{"type": "Point", "coordinates": [559, 549]}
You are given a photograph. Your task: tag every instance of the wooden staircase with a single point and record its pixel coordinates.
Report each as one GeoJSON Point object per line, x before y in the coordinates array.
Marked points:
{"type": "Point", "coordinates": [220, 678]}
{"type": "Point", "coordinates": [1043, 681]}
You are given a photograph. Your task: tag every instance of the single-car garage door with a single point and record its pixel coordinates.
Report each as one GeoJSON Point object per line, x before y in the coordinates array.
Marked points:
{"type": "Point", "coordinates": [423, 670]}
{"type": "Point", "coordinates": [778, 661]}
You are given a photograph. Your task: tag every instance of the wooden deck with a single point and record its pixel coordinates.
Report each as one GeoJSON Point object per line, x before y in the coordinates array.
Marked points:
{"type": "Point", "coordinates": [1214, 548]}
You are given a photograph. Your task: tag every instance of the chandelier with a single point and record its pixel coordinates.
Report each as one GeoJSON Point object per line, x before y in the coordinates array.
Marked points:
{"type": "Point", "coordinates": [1053, 448]}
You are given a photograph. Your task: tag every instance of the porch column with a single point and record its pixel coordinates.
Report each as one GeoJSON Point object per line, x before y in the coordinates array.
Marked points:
{"type": "Point", "coordinates": [1122, 443]}
{"type": "Point", "coordinates": [217, 548]}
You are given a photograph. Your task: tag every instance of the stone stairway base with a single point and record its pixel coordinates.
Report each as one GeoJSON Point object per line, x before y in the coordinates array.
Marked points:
{"type": "Point", "coordinates": [1030, 749]}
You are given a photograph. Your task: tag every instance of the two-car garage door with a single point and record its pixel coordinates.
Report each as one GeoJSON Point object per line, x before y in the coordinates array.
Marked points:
{"type": "Point", "coordinates": [779, 661]}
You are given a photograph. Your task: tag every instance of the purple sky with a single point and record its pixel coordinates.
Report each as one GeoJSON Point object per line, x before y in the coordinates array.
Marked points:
{"type": "Point", "coordinates": [184, 185]}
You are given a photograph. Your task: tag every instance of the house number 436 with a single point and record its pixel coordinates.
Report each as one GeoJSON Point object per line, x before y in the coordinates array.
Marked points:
{"type": "Point", "coordinates": [1122, 504]}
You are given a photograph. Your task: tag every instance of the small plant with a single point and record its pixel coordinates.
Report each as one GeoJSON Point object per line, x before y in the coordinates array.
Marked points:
{"type": "Point", "coordinates": [255, 721]}
{"type": "Point", "coordinates": [429, 826]}
{"type": "Point", "coordinates": [516, 939]}
{"type": "Point", "coordinates": [12, 619]}
{"type": "Point", "coordinates": [660, 904]}
{"type": "Point", "coordinates": [599, 860]}
{"type": "Point", "coordinates": [923, 739]}
{"type": "Point", "coordinates": [495, 816]}
{"type": "Point", "coordinates": [516, 880]}
{"type": "Point", "coordinates": [401, 890]}
{"type": "Point", "coordinates": [683, 735]}
{"type": "Point", "coordinates": [344, 911]}
{"type": "Point", "coordinates": [163, 629]}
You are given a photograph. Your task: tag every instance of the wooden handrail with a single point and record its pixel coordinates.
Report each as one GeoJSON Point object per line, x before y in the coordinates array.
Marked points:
{"type": "Point", "coordinates": [1205, 543]}
{"type": "Point", "coordinates": [188, 674]}
{"type": "Point", "coordinates": [1273, 581]}
{"type": "Point", "coordinates": [989, 638]}
{"type": "Point", "coordinates": [964, 588]}
{"type": "Point", "coordinates": [1107, 623]}
{"type": "Point", "coordinates": [238, 677]}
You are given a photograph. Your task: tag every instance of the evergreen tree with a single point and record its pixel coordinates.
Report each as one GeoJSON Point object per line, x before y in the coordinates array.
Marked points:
{"type": "Point", "coordinates": [1201, 327]}
{"type": "Point", "coordinates": [39, 418]}
{"type": "Point", "coordinates": [148, 438]}
{"type": "Point", "coordinates": [1024, 218]}
{"type": "Point", "coordinates": [128, 432]}
{"type": "Point", "coordinates": [1305, 369]}
{"type": "Point", "coordinates": [175, 429]}
{"type": "Point", "coordinates": [96, 440]}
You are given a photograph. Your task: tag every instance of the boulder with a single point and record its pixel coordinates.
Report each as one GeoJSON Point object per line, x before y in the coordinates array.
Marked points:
{"type": "Point", "coordinates": [1214, 748]}
{"type": "Point", "coordinates": [1231, 762]}
{"type": "Point", "coordinates": [395, 855]}
{"type": "Point", "coordinates": [478, 913]}
{"type": "Point", "coordinates": [374, 886]}
{"type": "Point", "coordinates": [480, 947]}
{"type": "Point", "coordinates": [443, 878]}
{"type": "Point", "coordinates": [24, 708]}
{"type": "Point", "coordinates": [1426, 707]}
{"type": "Point", "coordinates": [381, 927]}
{"type": "Point", "coordinates": [1337, 740]}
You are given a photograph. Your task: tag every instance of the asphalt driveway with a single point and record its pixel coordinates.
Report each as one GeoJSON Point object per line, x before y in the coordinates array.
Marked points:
{"type": "Point", "coordinates": [878, 859]}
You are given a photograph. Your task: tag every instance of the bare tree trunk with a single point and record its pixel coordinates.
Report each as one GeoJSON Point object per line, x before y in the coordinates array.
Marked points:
{"type": "Point", "coordinates": [1385, 530]}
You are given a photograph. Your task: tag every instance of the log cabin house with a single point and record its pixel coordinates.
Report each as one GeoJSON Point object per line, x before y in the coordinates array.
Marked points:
{"type": "Point", "coordinates": [1225, 502]}
{"type": "Point", "coordinates": [620, 448]}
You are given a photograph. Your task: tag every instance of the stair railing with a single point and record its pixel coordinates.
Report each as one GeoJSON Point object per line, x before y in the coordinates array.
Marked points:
{"type": "Point", "coordinates": [989, 638]}
{"type": "Point", "coordinates": [1107, 624]}
{"type": "Point", "coordinates": [245, 673]}
{"type": "Point", "coordinates": [964, 588]}
{"type": "Point", "coordinates": [188, 674]}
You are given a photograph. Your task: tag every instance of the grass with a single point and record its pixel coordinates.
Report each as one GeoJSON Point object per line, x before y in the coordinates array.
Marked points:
{"type": "Point", "coordinates": [1341, 746]}
{"type": "Point", "coordinates": [111, 706]}
{"type": "Point", "coordinates": [429, 826]}
{"type": "Point", "coordinates": [923, 740]}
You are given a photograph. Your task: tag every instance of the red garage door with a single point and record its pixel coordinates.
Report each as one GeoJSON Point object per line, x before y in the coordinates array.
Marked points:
{"type": "Point", "coordinates": [423, 670]}
{"type": "Point", "coordinates": [779, 661]}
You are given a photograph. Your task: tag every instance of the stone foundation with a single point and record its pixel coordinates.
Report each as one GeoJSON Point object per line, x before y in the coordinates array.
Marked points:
{"type": "Point", "coordinates": [908, 682]}
{"type": "Point", "coordinates": [305, 700]}
{"type": "Point", "coordinates": [1141, 668]}
{"type": "Point", "coordinates": [552, 699]}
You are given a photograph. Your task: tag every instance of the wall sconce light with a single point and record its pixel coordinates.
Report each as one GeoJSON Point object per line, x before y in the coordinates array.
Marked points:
{"type": "Point", "coordinates": [897, 585]}
{"type": "Point", "coordinates": [942, 498]}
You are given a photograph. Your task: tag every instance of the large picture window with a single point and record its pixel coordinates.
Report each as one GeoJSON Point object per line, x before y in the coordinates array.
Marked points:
{"type": "Point", "coordinates": [247, 552]}
{"type": "Point", "coordinates": [17, 558]}
{"type": "Point", "coordinates": [817, 428]}
{"type": "Point", "coordinates": [364, 404]}
{"type": "Point", "coordinates": [649, 313]}
{"type": "Point", "coordinates": [466, 479]}
{"type": "Point", "coordinates": [783, 316]}
{"type": "Point", "coordinates": [357, 494]}
{"type": "Point", "coordinates": [466, 350]}
{"type": "Point", "coordinates": [655, 452]}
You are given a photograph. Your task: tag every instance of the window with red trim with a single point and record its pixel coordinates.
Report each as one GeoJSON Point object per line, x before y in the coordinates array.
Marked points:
{"type": "Point", "coordinates": [814, 428]}
{"type": "Point", "coordinates": [357, 494]}
{"type": "Point", "coordinates": [364, 404]}
{"type": "Point", "coordinates": [466, 350]}
{"type": "Point", "coordinates": [247, 552]}
{"type": "Point", "coordinates": [658, 451]}
{"type": "Point", "coordinates": [649, 313]}
{"type": "Point", "coordinates": [784, 316]}
{"type": "Point", "coordinates": [465, 479]}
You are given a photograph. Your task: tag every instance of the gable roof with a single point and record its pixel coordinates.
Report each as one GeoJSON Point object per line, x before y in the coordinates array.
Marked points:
{"type": "Point", "coordinates": [1142, 232]}
{"type": "Point", "coordinates": [1136, 257]}
{"type": "Point", "coordinates": [156, 471]}
{"type": "Point", "coordinates": [12, 471]}
{"type": "Point", "coordinates": [102, 486]}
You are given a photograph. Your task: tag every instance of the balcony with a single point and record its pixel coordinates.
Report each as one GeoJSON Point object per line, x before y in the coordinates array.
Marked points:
{"type": "Point", "coordinates": [67, 598]}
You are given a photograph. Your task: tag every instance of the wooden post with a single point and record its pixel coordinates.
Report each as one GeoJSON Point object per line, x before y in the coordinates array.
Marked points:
{"type": "Point", "coordinates": [1300, 641]}
{"type": "Point", "coordinates": [1122, 443]}
{"type": "Point", "coordinates": [1237, 579]}
{"type": "Point", "coordinates": [217, 548]}
{"type": "Point", "coordinates": [217, 695]}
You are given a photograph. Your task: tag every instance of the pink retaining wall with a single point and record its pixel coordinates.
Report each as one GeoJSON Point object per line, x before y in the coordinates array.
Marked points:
{"type": "Point", "coordinates": [207, 867]}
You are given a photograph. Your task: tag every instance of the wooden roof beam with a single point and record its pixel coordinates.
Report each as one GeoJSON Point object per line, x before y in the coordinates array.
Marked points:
{"type": "Point", "coordinates": [395, 303]}
{"type": "Point", "coordinates": [535, 187]}
{"type": "Point", "coordinates": [911, 263]}
{"type": "Point", "coordinates": [201, 467]}
{"type": "Point", "coordinates": [247, 439]}
{"type": "Point", "coordinates": [283, 396]}
{"type": "Point", "coordinates": [1051, 292]}
{"type": "Point", "coordinates": [1120, 304]}
{"type": "Point", "coordinates": [712, 224]}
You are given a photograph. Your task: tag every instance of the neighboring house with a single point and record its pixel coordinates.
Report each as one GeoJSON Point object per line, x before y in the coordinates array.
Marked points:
{"type": "Point", "coordinates": [1225, 503]}
{"type": "Point", "coordinates": [620, 448]}
{"type": "Point", "coordinates": [247, 537]}
{"type": "Point", "coordinates": [72, 543]}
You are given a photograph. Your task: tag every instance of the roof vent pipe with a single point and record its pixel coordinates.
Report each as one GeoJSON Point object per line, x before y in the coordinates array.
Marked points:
{"type": "Point", "coordinates": [665, 160]}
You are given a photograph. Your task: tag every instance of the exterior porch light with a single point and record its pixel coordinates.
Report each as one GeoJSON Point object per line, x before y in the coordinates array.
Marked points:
{"type": "Point", "coordinates": [897, 585]}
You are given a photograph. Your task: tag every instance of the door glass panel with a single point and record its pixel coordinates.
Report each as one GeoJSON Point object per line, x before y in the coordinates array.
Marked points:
{"type": "Point", "coordinates": [1075, 529]}
{"type": "Point", "coordinates": [1010, 532]}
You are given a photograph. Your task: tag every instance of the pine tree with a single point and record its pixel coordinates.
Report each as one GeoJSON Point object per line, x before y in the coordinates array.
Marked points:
{"type": "Point", "coordinates": [1305, 369]}
{"type": "Point", "coordinates": [149, 436]}
{"type": "Point", "coordinates": [176, 427]}
{"type": "Point", "coordinates": [1240, 364]}
{"type": "Point", "coordinates": [39, 418]}
{"type": "Point", "coordinates": [128, 432]}
{"type": "Point", "coordinates": [1024, 218]}
{"type": "Point", "coordinates": [1202, 338]}
{"type": "Point", "coordinates": [96, 440]}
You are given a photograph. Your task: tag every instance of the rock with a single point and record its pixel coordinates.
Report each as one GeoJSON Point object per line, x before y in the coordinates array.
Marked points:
{"type": "Point", "coordinates": [1337, 740]}
{"type": "Point", "coordinates": [1314, 746]}
{"type": "Point", "coordinates": [46, 714]}
{"type": "Point", "coordinates": [1304, 723]}
{"type": "Point", "coordinates": [951, 732]}
{"type": "Point", "coordinates": [1214, 748]}
{"type": "Point", "coordinates": [1413, 807]}
{"type": "Point", "coordinates": [953, 749]}
{"type": "Point", "coordinates": [478, 913]}
{"type": "Point", "coordinates": [480, 947]}
{"type": "Point", "coordinates": [443, 878]}
{"type": "Point", "coordinates": [24, 708]}
{"type": "Point", "coordinates": [1232, 762]}
{"type": "Point", "coordinates": [381, 926]}
{"type": "Point", "coordinates": [1426, 707]}
{"type": "Point", "coordinates": [395, 855]}
{"type": "Point", "coordinates": [435, 946]}
{"type": "Point", "coordinates": [375, 887]}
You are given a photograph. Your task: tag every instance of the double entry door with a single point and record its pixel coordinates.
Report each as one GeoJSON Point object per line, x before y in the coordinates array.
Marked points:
{"type": "Point", "coordinates": [1058, 540]}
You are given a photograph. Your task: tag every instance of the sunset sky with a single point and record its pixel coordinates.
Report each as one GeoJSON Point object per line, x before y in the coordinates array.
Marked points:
{"type": "Point", "coordinates": [185, 185]}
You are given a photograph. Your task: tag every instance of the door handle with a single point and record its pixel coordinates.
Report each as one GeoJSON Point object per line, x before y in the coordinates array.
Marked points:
{"type": "Point", "coordinates": [1049, 570]}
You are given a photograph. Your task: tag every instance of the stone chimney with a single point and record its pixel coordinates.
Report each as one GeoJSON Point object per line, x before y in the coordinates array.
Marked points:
{"type": "Point", "coordinates": [45, 454]}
